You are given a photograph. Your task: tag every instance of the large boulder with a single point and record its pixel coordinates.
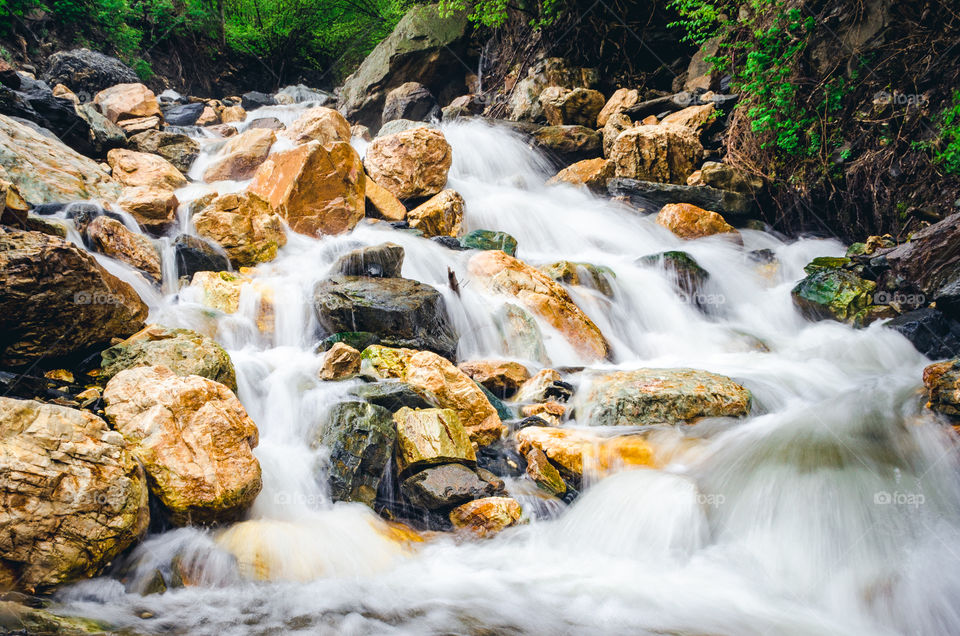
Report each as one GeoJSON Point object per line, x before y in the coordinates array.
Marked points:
{"type": "Point", "coordinates": [410, 100]}
{"type": "Point", "coordinates": [429, 437]}
{"type": "Point", "coordinates": [426, 46]}
{"type": "Point", "coordinates": [177, 148]}
{"type": "Point", "coordinates": [112, 238]}
{"type": "Point", "coordinates": [690, 222]}
{"type": "Point", "coordinates": [86, 71]}
{"type": "Point", "coordinates": [243, 225]}
{"type": "Point", "coordinates": [725, 177]}
{"type": "Point", "coordinates": [55, 299]}
{"type": "Point", "coordinates": [377, 261]}
{"type": "Point", "coordinates": [127, 102]}
{"type": "Point", "coordinates": [46, 170]}
{"type": "Point", "coordinates": [441, 215]}
{"type": "Point", "coordinates": [360, 438]}
{"type": "Point", "coordinates": [194, 439]}
{"type": "Point", "coordinates": [318, 189]}
{"type": "Point", "coordinates": [133, 168]}
{"type": "Point", "coordinates": [36, 103]}
{"type": "Point", "coordinates": [183, 351]}
{"type": "Point", "coordinates": [660, 396]}
{"type": "Point", "coordinates": [577, 107]}
{"type": "Point", "coordinates": [650, 196]}
{"type": "Point", "coordinates": [412, 163]}
{"type": "Point", "coordinates": [440, 383]}
{"type": "Point", "coordinates": [193, 254]}
{"type": "Point", "coordinates": [504, 274]}
{"type": "Point", "coordinates": [319, 124]}
{"type": "Point", "coordinates": [71, 496]}
{"type": "Point", "coordinates": [664, 153]}
{"type": "Point", "coordinates": [401, 312]}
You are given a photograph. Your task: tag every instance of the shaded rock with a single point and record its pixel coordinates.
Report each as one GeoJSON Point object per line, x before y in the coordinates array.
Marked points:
{"type": "Point", "coordinates": [256, 99]}
{"type": "Point", "coordinates": [176, 148]}
{"type": "Point", "coordinates": [194, 439]}
{"type": "Point", "coordinates": [440, 383]}
{"type": "Point", "coordinates": [659, 105]}
{"type": "Point", "coordinates": [382, 203]}
{"type": "Point", "coordinates": [392, 395]}
{"type": "Point", "coordinates": [318, 190]}
{"type": "Point", "coordinates": [664, 153]}
{"type": "Point", "coordinates": [500, 377]}
{"type": "Point", "coordinates": [244, 226]}
{"type": "Point", "coordinates": [341, 361]}
{"type": "Point", "coordinates": [932, 333]}
{"type": "Point", "coordinates": [55, 299]}
{"type": "Point", "coordinates": [402, 312]}
{"type": "Point", "coordinates": [195, 254]}
{"type": "Point", "coordinates": [569, 143]}
{"type": "Point", "coordinates": [660, 396]}
{"type": "Point", "coordinates": [504, 274]}
{"type": "Point", "coordinates": [72, 497]}
{"type": "Point", "coordinates": [104, 134]}
{"type": "Point", "coordinates": [37, 104]}
{"type": "Point", "coordinates": [726, 177]}
{"type": "Point", "coordinates": [428, 437]}
{"type": "Point", "coordinates": [441, 215]}
{"type": "Point", "coordinates": [688, 277]}
{"type": "Point", "coordinates": [359, 340]}
{"type": "Point", "coordinates": [690, 222]}
{"type": "Point", "coordinates": [183, 114]}
{"type": "Point", "coordinates": [16, 618]}
{"type": "Point", "coordinates": [577, 107]}
{"type": "Point", "coordinates": [183, 351]}
{"type": "Point", "coordinates": [942, 381]}
{"type": "Point", "coordinates": [649, 196]}
{"type": "Point", "coordinates": [524, 104]}
{"type": "Point", "coordinates": [154, 208]}
{"type": "Point", "coordinates": [127, 101]}
{"type": "Point", "coordinates": [360, 437]}
{"type": "Point", "coordinates": [132, 168]}
{"type": "Point", "coordinates": [835, 294]}
{"type": "Point", "coordinates": [410, 100]}
{"type": "Point", "coordinates": [591, 173]}
{"type": "Point", "coordinates": [112, 238]}
{"type": "Point", "coordinates": [488, 516]}
{"type": "Point", "coordinates": [489, 240]}
{"type": "Point", "coordinates": [444, 486]}
{"type": "Point", "coordinates": [321, 124]}
{"type": "Point", "coordinates": [622, 99]}
{"type": "Point", "coordinates": [87, 71]}
{"type": "Point", "coordinates": [576, 451]}
{"type": "Point", "coordinates": [412, 163]}
{"type": "Point", "coordinates": [377, 261]}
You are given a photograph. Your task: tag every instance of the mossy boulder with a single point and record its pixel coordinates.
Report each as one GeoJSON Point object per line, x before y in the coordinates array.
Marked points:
{"type": "Point", "coordinates": [360, 437]}
{"type": "Point", "coordinates": [832, 294]}
{"type": "Point", "coordinates": [490, 240]}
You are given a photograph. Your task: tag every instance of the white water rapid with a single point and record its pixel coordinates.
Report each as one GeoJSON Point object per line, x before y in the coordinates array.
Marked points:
{"type": "Point", "coordinates": [833, 509]}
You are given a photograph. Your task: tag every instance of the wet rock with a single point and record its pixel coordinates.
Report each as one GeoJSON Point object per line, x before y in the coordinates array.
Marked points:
{"type": "Point", "coordinates": [376, 261]}
{"type": "Point", "coordinates": [690, 222]}
{"type": "Point", "coordinates": [382, 204]}
{"type": "Point", "coordinates": [440, 383]}
{"type": "Point", "coordinates": [359, 340]}
{"type": "Point", "coordinates": [55, 299]}
{"type": "Point", "coordinates": [183, 114]}
{"type": "Point", "coordinates": [663, 153]}
{"type": "Point", "coordinates": [255, 99]}
{"type": "Point", "coordinates": [402, 312]}
{"type": "Point", "coordinates": [545, 385]}
{"type": "Point", "coordinates": [47, 171]}
{"type": "Point", "coordinates": [504, 274]}
{"type": "Point", "coordinates": [241, 156]}
{"type": "Point", "coordinates": [550, 412]}
{"type": "Point", "coordinates": [410, 100]}
{"type": "Point", "coordinates": [660, 396]}
{"type": "Point", "coordinates": [524, 104]}
{"type": "Point", "coordinates": [318, 190]}
{"type": "Point", "coordinates": [319, 124]}
{"type": "Point", "coordinates": [341, 361]}
{"type": "Point", "coordinates": [942, 381]}
{"type": "Point", "coordinates": [500, 377]}
{"type": "Point", "coordinates": [444, 486]}
{"type": "Point", "coordinates": [244, 226]}
{"type": "Point", "coordinates": [569, 144]}
{"type": "Point", "coordinates": [488, 516]}
{"type": "Point", "coordinates": [183, 351]}
{"type": "Point", "coordinates": [112, 238]}
{"type": "Point", "coordinates": [16, 618]}
{"type": "Point", "coordinates": [622, 99]}
{"type": "Point", "coordinates": [593, 174]}
{"type": "Point", "coordinates": [195, 254]}
{"type": "Point", "coordinates": [412, 163]}
{"type": "Point", "coordinates": [649, 196]}
{"type": "Point", "coordinates": [931, 332]}
{"type": "Point", "coordinates": [221, 291]}
{"type": "Point", "coordinates": [520, 335]}
{"type": "Point", "coordinates": [577, 107]}
{"type": "Point", "coordinates": [132, 168]}
{"type": "Point", "coordinates": [688, 277]}
{"type": "Point", "coordinates": [576, 452]}
{"type": "Point", "coordinates": [835, 294]}
{"type": "Point", "coordinates": [429, 437]}
{"type": "Point", "coordinates": [73, 497]}
{"type": "Point", "coordinates": [176, 148]}
{"type": "Point", "coordinates": [541, 471]}
{"type": "Point", "coordinates": [392, 395]}
{"type": "Point", "coordinates": [232, 114]}
{"type": "Point", "coordinates": [441, 215]}
{"type": "Point", "coordinates": [127, 101]}
{"type": "Point", "coordinates": [489, 240]}
{"type": "Point", "coordinates": [582, 274]}
{"type": "Point", "coordinates": [87, 71]}
{"type": "Point", "coordinates": [360, 438]}
{"type": "Point", "coordinates": [154, 208]}
{"type": "Point", "coordinates": [194, 439]}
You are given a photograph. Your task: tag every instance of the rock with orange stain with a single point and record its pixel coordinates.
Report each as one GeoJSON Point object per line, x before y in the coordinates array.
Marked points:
{"type": "Point", "coordinates": [690, 222]}
{"type": "Point", "coordinates": [441, 215]}
{"type": "Point", "coordinates": [241, 156]}
{"type": "Point", "coordinates": [544, 297]}
{"type": "Point", "coordinates": [430, 437]}
{"type": "Point", "coordinates": [500, 377]}
{"type": "Point", "coordinates": [411, 163]}
{"type": "Point", "coordinates": [244, 226]}
{"type": "Point", "coordinates": [590, 173]}
{"type": "Point", "coordinates": [383, 203]}
{"type": "Point", "coordinates": [127, 101]}
{"type": "Point", "coordinates": [942, 380]}
{"type": "Point", "coordinates": [488, 516]}
{"type": "Point", "coordinates": [322, 124]}
{"type": "Point", "coordinates": [575, 450]}
{"type": "Point", "coordinates": [551, 412]}
{"type": "Point", "coordinates": [622, 99]}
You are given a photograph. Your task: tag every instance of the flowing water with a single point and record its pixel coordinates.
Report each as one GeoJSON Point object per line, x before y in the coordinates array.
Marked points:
{"type": "Point", "coordinates": [833, 509]}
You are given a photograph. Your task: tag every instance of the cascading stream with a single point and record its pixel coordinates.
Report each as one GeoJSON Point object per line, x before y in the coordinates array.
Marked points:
{"type": "Point", "coordinates": [832, 509]}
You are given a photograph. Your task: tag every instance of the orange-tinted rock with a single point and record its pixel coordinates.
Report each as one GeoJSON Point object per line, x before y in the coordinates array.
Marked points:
{"type": "Point", "coordinates": [127, 101]}
{"type": "Point", "coordinates": [696, 118]}
{"type": "Point", "coordinates": [322, 124]}
{"type": "Point", "coordinates": [441, 215]}
{"type": "Point", "coordinates": [412, 163]}
{"type": "Point", "coordinates": [577, 450]}
{"type": "Point", "coordinates": [341, 361]}
{"type": "Point", "coordinates": [233, 114]}
{"type": "Point", "coordinates": [622, 99]}
{"type": "Point", "coordinates": [591, 173]}
{"type": "Point", "coordinates": [384, 203]}
{"type": "Point", "coordinates": [144, 169]}
{"type": "Point", "coordinates": [577, 107]}
{"type": "Point", "coordinates": [689, 222]}
{"type": "Point", "coordinates": [500, 377]}
{"type": "Point", "coordinates": [112, 238]}
{"type": "Point", "coordinates": [663, 153]}
{"type": "Point", "coordinates": [241, 156]}
{"type": "Point", "coordinates": [488, 516]}
{"type": "Point", "coordinates": [244, 225]}
{"type": "Point", "coordinates": [154, 208]}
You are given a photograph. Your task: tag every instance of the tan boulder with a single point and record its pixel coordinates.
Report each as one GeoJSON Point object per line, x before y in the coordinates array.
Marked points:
{"type": "Point", "coordinates": [590, 173]}
{"type": "Point", "coordinates": [233, 114]}
{"type": "Point", "coordinates": [441, 215]}
{"type": "Point", "coordinates": [690, 222]}
{"type": "Point", "coordinates": [194, 439]}
{"type": "Point", "coordinates": [622, 99]}
{"type": "Point", "coordinates": [488, 516]}
{"type": "Point", "coordinates": [154, 208]}
{"type": "Point", "coordinates": [428, 437]}
{"type": "Point", "coordinates": [500, 377]}
{"type": "Point", "coordinates": [71, 496]}
{"type": "Point", "coordinates": [133, 168]}
{"type": "Point", "coordinates": [665, 153]}
{"type": "Point", "coordinates": [385, 205]}
{"type": "Point", "coordinates": [696, 118]}
{"type": "Point", "coordinates": [575, 451]}
{"type": "Point", "coordinates": [138, 125]}
{"type": "Point", "coordinates": [112, 238]}
{"type": "Point", "coordinates": [244, 225]}
{"type": "Point", "coordinates": [616, 124]}
{"type": "Point", "coordinates": [577, 107]}
{"type": "Point", "coordinates": [544, 297]}
{"type": "Point", "coordinates": [208, 117]}
{"type": "Point", "coordinates": [726, 177]}
{"type": "Point", "coordinates": [127, 101]}
{"type": "Point", "coordinates": [322, 124]}
{"type": "Point", "coordinates": [318, 190]}
{"type": "Point", "coordinates": [241, 156]}
{"type": "Point", "coordinates": [341, 361]}
{"type": "Point", "coordinates": [441, 384]}
{"type": "Point", "coordinates": [412, 163]}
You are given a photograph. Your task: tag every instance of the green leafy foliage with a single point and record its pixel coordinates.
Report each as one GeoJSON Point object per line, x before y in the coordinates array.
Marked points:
{"type": "Point", "coordinates": [947, 152]}
{"type": "Point", "coordinates": [495, 13]}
